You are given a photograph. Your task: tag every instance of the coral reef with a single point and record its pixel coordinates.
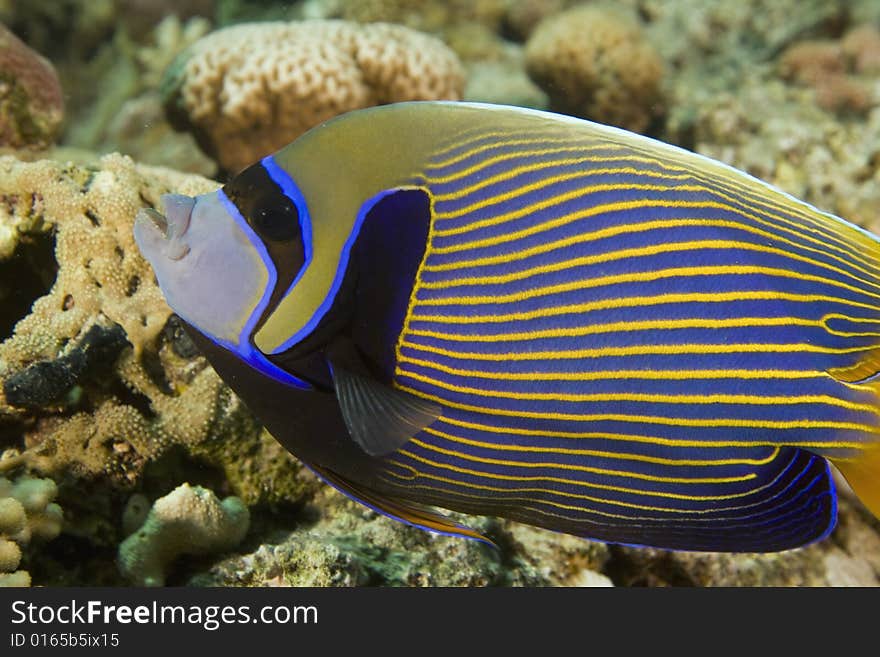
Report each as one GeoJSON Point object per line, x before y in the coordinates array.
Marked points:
{"type": "Point", "coordinates": [778, 133]}
{"type": "Point", "coordinates": [63, 29]}
{"type": "Point", "coordinates": [595, 62]}
{"type": "Point", "coordinates": [346, 544]}
{"type": "Point", "coordinates": [427, 16]}
{"type": "Point", "coordinates": [139, 17]}
{"type": "Point", "coordinates": [247, 90]}
{"type": "Point", "coordinates": [523, 16]}
{"type": "Point", "coordinates": [27, 514]}
{"type": "Point", "coordinates": [98, 379]}
{"type": "Point", "coordinates": [31, 100]}
{"type": "Point", "coordinates": [339, 543]}
{"type": "Point", "coordinates": [122, 111]}
{"type": "Point", "coordinates": [189, 520]}
{"type": "Point", "coordinates": [835, 70]}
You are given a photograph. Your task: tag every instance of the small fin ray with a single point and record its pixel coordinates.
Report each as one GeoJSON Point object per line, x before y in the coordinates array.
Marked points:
{"type": "Point", "coordinates": [410, 513]}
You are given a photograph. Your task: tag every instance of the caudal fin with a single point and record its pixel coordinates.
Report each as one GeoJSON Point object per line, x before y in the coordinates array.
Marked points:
{"type": "Point", "coordinates": [862, 472]}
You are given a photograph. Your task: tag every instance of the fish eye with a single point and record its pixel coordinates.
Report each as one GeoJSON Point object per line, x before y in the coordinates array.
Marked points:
{"type": "Point", "coordinates": [264, 205]}
{"type": "Point", "coordinates": [276, 220]}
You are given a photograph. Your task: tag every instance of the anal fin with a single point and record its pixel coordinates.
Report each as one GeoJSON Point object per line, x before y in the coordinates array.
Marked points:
{"type": "Point", "coordinates": [410, 513]}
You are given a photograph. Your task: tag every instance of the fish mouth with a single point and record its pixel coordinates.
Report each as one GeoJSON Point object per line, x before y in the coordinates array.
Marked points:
{"type": "Point", "coordinates": [157, 218]}
{"type": "Point", "coordinates": [166, 231]}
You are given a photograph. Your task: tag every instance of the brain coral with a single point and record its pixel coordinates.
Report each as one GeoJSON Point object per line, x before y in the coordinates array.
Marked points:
{"type": "Point", "coordinates": [31, 101]}
{"type": "Point", "coordinates": [247, 90]}
{"type": "Point", "coordinates": [596, 63]}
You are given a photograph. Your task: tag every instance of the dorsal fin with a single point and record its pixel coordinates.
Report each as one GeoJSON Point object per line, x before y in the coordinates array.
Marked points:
{"type": "Point", "coordinates": [410, 513]}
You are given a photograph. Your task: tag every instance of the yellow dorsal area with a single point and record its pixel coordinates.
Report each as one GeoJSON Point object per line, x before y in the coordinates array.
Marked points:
{"type": "Point", "coordinates": [340, 165]}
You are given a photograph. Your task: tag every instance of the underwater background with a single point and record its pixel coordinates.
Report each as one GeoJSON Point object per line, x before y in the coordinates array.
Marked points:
{"type": "Point", "coordinates": [123, 457]}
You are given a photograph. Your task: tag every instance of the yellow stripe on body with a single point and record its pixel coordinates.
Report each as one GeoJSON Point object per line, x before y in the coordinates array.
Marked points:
{"type": "Point", "coordinates": [506, 156]}
{"type": "Point", "coordinates": [471, 136]}
{"type": "Point", "coordinates": [623, 302]}
{"type": "Point", "coordinates": [443, 492]}
{"type": "Point", "coordinates": [639, 438]}
{"type": "Point", "coordinates": [555, 200]}
{"type": "Point", "coordinates": [608, 375]}
{"type": "Point", "coordinates": [551, 180]}
{"type": "Point", "coordinates": [582, 468]}
{"type": "Point", "coordinates": [625, 206]}
{"type": "Point", "coordinates": [668, 421]}
{"type": "Point", "coordinates": [642, 350]}
{"type": "Point", "coordinates": [623, 456]}
{"type": "Point", "coordinates": [616, 231]}
{"type": "Point", "coordinates": [591, 498]}
{"type": "Point", "coordinates": [646, 325]}
{"type": "Point", "coordinates": [635, 277]}
{"type": "Point", "coordinates": [407, 319]}
{"type": "Point", "coordinates": [822, 224]}
{"type": "Point", "coordinates": [613, 231]}
{"type": "Point", "coordinates": [650, 522]}
{"type": "Point", "coordinates": [653, 398]}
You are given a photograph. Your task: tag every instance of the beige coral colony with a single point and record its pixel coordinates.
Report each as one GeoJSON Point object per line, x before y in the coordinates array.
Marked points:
{"type": "Point", "coordinates": [121, 450]}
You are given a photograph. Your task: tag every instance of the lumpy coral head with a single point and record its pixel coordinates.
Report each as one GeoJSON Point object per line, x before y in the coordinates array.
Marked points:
{"type": "Point", "coordinates": [31, 100]}
{"type": "Point", "coordinates": [596, 63]}
{"type": "Point", "coordinates": [245, 91]}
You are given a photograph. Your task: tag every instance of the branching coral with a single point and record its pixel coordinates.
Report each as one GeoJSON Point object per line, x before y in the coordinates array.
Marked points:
{"type": "Point", "coordinates": [247, 90]}
{"type": "Point", "coordinates": [27, 513]}
{"type": "Point", "coordinates": [596, 63]}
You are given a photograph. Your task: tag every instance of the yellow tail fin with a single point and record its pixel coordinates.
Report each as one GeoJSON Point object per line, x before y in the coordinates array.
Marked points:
{"type": "Point", "coordinates": [863, 474]}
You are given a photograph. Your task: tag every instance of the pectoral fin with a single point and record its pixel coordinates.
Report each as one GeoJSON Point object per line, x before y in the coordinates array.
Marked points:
{"type": "Point", "coordinates": [379, 418]}
{"type": "Point", "coordinates": [410, 513]}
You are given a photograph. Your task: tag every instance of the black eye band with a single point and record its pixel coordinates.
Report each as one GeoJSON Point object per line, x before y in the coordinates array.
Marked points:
{"type": "Point", "coordinates": [275, 219]}
{"type": "Point", "coordinates": [264, 205]}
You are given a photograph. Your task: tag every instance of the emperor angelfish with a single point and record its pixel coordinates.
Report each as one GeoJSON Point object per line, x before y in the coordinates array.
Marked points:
{"type": "Point", "coordinates": [513, 313]}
